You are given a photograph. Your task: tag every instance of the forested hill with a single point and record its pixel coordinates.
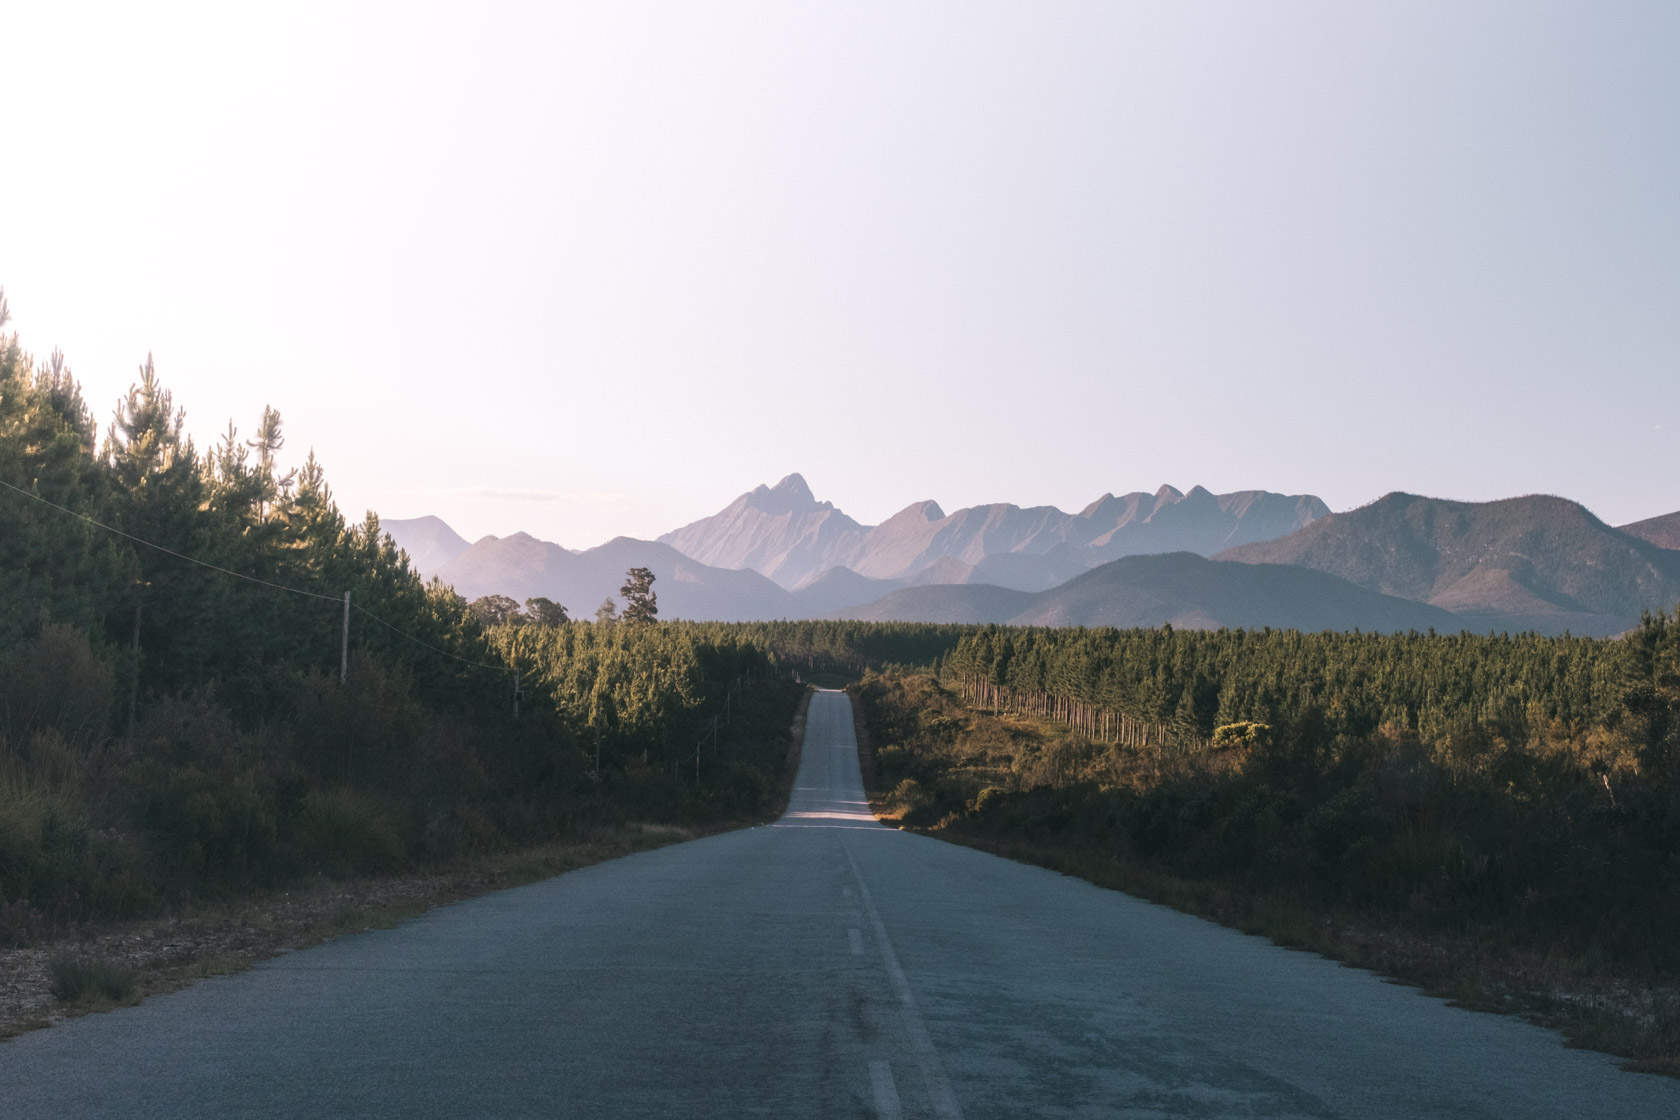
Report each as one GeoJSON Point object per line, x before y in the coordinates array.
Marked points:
{"type": "Point", "coordinates": [1664, 531]}
{"type": "Point", "coordinates": [1535, 562]}
{"type": "Point", "coordinates": [1180, 589]}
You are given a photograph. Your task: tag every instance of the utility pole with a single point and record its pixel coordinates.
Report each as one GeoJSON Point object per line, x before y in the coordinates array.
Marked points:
{"type": "Point", "coordinates": [344, 646]}
{"type": "Point", "coordinates": [134, 692]}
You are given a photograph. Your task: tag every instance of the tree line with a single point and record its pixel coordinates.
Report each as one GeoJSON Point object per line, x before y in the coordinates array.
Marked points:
{"type": "Point", "coordinates": [189, 704]}
{"type": "Point", "coordinates": [1187, 683]}
{"type": "Point", "coordinates": [1516, 795]}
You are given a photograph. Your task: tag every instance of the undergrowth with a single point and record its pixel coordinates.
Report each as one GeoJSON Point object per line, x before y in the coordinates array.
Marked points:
{"type": "Point", "coordinates": [1500, 898]}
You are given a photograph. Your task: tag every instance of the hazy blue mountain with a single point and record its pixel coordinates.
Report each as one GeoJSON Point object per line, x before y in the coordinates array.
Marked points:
{"type": "Point", "coordinates": [521, 567]}
{"type": "Point", "coordinates": [837, 589]}
{"type": "Point", "coordinates": [944, 602]}
{"type": "Point", "coordinates": [1187, 590]}
{"type": "Point", "coordinates": [1535, 562]}
{"type": "Point", "coordinates": [430, 543]}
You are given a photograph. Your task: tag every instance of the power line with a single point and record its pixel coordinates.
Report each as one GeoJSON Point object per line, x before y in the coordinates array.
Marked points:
{"type": "Point", "coordinates": [252, 579]}
{"type": "Point", "coordinates": [421, 642]}
{"type": "Point", "coordinates": [167, 551]}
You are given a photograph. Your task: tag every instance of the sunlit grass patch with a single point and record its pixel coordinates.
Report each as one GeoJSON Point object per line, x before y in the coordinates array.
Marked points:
{"type": "Point", "coordinates": [220, 964]}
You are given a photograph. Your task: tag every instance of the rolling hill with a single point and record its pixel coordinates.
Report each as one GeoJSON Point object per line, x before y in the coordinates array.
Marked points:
{"type": "Point", "coordinates": [1664, 531]}
{"type": "Point", "coordinates": [1536, 562]}
{"type": "Point", "coordinates": [522, 567]}
{"type": "Point", "coordinates": [1187, 590]}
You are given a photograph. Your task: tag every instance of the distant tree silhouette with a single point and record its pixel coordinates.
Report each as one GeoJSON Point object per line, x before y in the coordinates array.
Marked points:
{"type": "Point", "coordinates": [641, 604]}
{"type": "Point", "coordinates": [607, 611]}
{"type": "Point", "coordinates": [545, 612]}
{"type": "Point", "coordinates": [495, 610]}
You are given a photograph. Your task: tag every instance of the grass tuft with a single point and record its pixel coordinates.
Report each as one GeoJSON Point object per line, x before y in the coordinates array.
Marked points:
{"type": "Point", "coordinates": [87, 980]}
{"type": "Point", "coordinates": [220, 964]}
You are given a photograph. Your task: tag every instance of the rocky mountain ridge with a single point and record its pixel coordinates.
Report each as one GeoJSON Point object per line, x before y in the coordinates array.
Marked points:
{"type": "Point", "coordinates": [786, 534]}
{"type": "Point", "coordinates": [1401, 562]}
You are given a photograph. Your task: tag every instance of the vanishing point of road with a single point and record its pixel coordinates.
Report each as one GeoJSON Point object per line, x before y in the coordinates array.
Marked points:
{"type": "Point", "coordinates": [821, 966]}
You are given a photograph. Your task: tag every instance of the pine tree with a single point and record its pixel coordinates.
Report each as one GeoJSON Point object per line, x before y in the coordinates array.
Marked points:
{"type": "Point", "coordinates": [545, 612]}
{"type": "Point", "coordinates": [641, 602]}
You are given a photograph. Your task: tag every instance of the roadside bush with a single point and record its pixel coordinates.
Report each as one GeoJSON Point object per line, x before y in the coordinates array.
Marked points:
{"type": "Point", "coordinates": [908, 796]}
{"type": "Point", "coordinates": [987, 801]}
{"type": "Point", "coordinates": [55, 867]}
{"type": "Point", "coordinates": [205, 795]}
{"type": "Point", "coordinates": [86, 979]}
{"type": "Point", "coordinates": [744, 792]}
{"type": "Point", "coordinates": [343, 833]}
{"type": "Point", "coordinates": [364, 731]}
{"type": "Point", "coordinates": [55, 682]}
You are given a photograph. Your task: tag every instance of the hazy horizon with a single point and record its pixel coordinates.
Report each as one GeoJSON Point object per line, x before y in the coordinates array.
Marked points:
{"type": "Point", "coordinates": [589, 271]}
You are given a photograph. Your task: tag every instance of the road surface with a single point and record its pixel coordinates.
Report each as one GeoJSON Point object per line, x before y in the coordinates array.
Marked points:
{"type": "Point", "coordinates": [822, 966]}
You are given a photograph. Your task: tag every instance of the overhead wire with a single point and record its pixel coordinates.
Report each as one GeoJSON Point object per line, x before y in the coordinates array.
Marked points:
{"type": "Point", "coordinates": [357, 607]}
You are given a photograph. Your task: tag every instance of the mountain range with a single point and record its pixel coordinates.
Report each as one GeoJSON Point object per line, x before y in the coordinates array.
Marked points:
{"type": "Point", "coordinates": [783, 532]}
{"type": "Point", "coordinates": [1536, 562]}
{"type": "Point", "coordinates": [1181, 588]}
{"type": "Point", "coordinates": [1195, 559]}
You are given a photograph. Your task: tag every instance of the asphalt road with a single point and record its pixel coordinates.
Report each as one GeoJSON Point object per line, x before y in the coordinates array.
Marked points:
{"type": "Point", "coordinates": [822, 966]}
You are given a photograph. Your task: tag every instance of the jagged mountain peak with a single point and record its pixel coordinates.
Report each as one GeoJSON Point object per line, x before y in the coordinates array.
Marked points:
{"type": "Point", "coordinates": [780, 531]}
{"type": "Point", "coordinates": [917, 511]}
{"type": "Point", "coordinates": [794, 486]}
{"type": "Point", "coordinates": [790, 496]}
{"type": "Point", "coordinates": [1102, 502]}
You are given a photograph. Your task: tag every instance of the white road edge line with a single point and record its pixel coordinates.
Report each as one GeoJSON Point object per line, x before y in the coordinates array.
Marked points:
{"type": "Point", "coordinates": [939, 1091]}
{"type": "Point", "coordinates": [887, 1106]}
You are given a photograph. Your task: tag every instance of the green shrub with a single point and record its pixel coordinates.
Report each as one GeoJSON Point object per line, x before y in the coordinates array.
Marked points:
{"type": "Point", "coordinates": [343, 833]}
{"type": "Point", "coordinates": [89, 980]}
{"type": "Point", "coordinates": [55, 682]}
{"type": "Point", "coordinates": [908, 796]}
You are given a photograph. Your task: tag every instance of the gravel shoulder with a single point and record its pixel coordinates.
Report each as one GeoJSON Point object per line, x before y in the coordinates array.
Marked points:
{"type": "Point", "coordinates": [213, 939]}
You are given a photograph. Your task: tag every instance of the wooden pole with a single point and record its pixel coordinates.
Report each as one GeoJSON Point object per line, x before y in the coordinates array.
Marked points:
{"type": "Point", "coordinates": [344, 645]}
{"type": "Point", "coordinates": [134, 692]}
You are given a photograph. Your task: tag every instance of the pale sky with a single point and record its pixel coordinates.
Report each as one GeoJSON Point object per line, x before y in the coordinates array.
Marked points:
{"type": "Point", "coordinates": [591, 269]}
